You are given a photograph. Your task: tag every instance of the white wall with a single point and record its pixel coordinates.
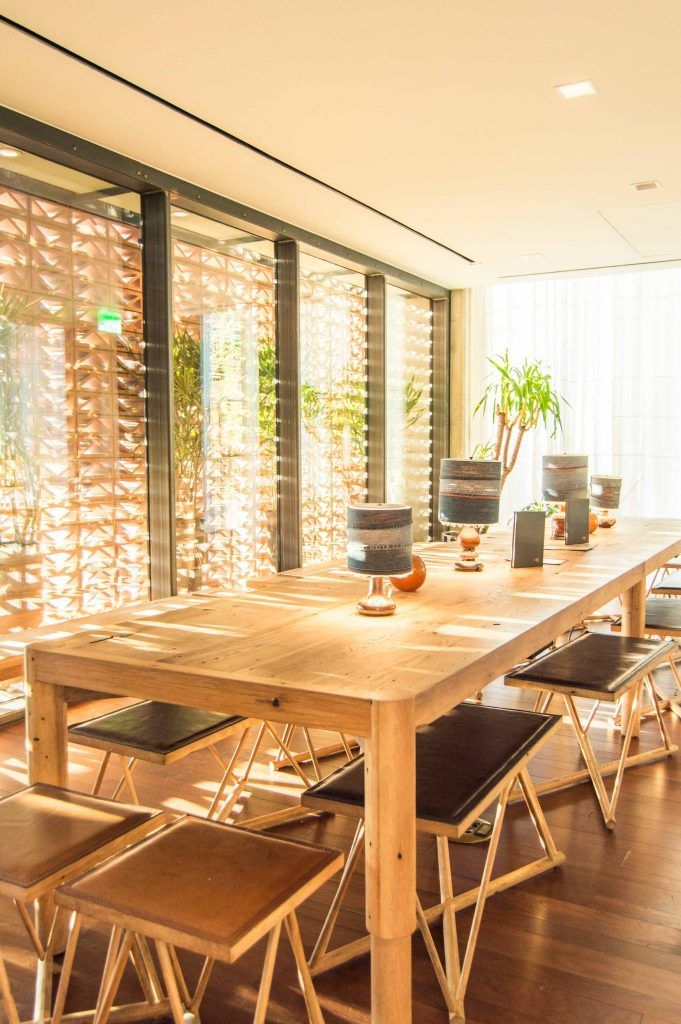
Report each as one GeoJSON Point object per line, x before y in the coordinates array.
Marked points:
{"type": "Point", "coordinates": [613, 342]}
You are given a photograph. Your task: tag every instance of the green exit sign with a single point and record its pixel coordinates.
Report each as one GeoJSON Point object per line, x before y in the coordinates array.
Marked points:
{"type": "Point", "coordinates": [109, 321]}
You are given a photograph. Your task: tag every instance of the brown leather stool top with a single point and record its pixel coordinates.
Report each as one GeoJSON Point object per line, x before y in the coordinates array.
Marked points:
{"type": "Point", "coordinates": [663, 616]}
{"type": "Point", "coordinates": [47, 832]}
{"type": "Point", "coordinates": [460, 760]}
{"type": "Point", "coordinates": [151, 730]}
{"type": "Point", "coordinates": [597, 665]}
{"type": "Point", "coordinates": [202, 885]}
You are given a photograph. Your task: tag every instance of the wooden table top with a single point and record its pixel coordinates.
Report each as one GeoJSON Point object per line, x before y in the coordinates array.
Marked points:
{"type": "Point", "coordinates": [292, 648]}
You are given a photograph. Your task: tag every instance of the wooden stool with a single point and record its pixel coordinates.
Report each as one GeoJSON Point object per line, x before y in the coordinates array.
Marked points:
{"type": "Point", "coordinates": [211, 888]}
{"type": "Point", "coordinates": [602, 667]}
{"type": "Point", "coordinates": [465, 760]}
{"type": "Point", "coordinates": [49, 835]}
{"type": "Point", "coordinates": [669, 567]}
{"type": "Point", "coordinates": [165, 733]}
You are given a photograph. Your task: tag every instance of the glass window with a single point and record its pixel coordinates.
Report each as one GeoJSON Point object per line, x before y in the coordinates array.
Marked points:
{"type": "Point", "coordinates": [73, 487]}
{"type": "Point", "coordinates": [225, 404]}
{"type": "Point", "coordinates": [333, 403]}
{"type": "Point", "coordinates": [408, 404]}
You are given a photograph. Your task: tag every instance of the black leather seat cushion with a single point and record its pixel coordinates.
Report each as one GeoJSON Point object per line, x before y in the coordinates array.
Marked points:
{"type": "Point", "coordinates": [460, 759]}
{"type": "Point", "coordinates": [597, 663]}
{"type": "Point", "coordinates": [663, 614]}
{"type": "Point", "coordinates": [153, 726]}
{"type": "Point", "coordinates": [671, 582]}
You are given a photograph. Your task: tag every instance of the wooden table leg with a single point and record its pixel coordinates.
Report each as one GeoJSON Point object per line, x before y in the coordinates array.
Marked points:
{"type": "Point", "coordinates": [390, 781]}
{"type": "Point", "coordinates": [47, 753]}
{"type": "Point", "coordinates": [633, 624]}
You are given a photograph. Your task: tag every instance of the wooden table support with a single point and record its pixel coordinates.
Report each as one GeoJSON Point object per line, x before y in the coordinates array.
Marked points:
{"type": "Point", "coordinates": [633, 624]}
{"type": "Point", "coordinates": [390, 786]}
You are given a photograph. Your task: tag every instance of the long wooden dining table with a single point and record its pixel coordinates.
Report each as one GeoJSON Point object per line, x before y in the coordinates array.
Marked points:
{"type": "Point", "coordinates": [292, 649]}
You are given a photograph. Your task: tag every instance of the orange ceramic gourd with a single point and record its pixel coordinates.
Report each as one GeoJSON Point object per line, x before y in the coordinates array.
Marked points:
{"type": "Point", "coordinates": [414, 579]}
{"type": "Point", "coordinates": [593, 522]}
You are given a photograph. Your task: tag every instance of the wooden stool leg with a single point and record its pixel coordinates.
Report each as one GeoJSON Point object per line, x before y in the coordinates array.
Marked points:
{"type": "Point", "coordinates": [356, 850]}
{"type": "Point", "coordinates": [482, 898]}
{"type": "Point", "coordinates": [288, 755]}
{"type": "Point", "coordinates": [537, 815]}
{"type": "Point", "coordinates": [202, 983]}
{"type": "Point", "coordinates": [75, 921]}
{"type": "Point", "coordinates": [452, 961]}
{"type": "Point", "coordinates": [6, 996]}
{"type": "Point", "coordinates": [313, 755]}
{"type": "Point", "coordinates": [126, 779]}
{"type": "Point", "coordinates": [590, 758]}
{"type": "Point", "coordinates": [113, 974]}
{"type": "Point", "coordinates": [314, 1012]}
{"type": "Point", "coordinates": [96, 789]}
{"type": "Point", "coordinates": [44, 974]}
{"type": "Point", "coordinates": [146, 970]}
{"type": "Point", "coordinates": [266, 977]}
{"type": "Point", "coordinates": [633, 722]}
{"type": "Point", "coordinates": [176, 1007]}
{"type": "Point", "coordinates": [228, 772]}
{"type": "Point", "coordinates": [431, 949]}
{"type": "Point", "coordinates": [236, 791]}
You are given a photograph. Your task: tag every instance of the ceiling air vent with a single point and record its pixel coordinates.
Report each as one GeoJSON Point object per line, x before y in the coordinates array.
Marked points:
{"type": "Point", "coordinates": [645, 186]}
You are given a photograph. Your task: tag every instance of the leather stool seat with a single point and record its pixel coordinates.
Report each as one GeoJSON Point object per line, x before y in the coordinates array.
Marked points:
{"type": "Point", "coordinates": [203, 885]}
{"type": "Point", "coordinates": [670, 584]}
{"type": "Point", "coordinates": [47, 832]}
{"type": "Point", "coordinates": [597, 665]}
{"type": "Point", "coordinates": [152, 730]}
{"type": "Point", "coordinates": [461, 759]}
{"type": "Point", "coordinates": [663, 617]}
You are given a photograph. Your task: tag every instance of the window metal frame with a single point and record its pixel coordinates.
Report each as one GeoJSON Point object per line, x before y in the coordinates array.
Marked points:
{"type": "Point", "coordinates": [158, 191]}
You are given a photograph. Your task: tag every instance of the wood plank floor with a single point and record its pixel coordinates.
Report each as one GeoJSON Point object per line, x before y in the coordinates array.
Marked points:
{"type": "Point", "coordinates": [597, 941]}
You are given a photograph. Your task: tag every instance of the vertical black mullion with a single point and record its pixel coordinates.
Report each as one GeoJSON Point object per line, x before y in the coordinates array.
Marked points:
{"type": "Point", "coordinates": [288, 403]}
{"type": "Point", "coordinates": [157, 299]}
{"type": "Point", "coordinates": [376, 343]}
{"type": "Point", "coordinates": [440, 412]}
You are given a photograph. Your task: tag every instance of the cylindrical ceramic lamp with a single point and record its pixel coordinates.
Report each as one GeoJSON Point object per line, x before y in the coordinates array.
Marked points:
{"type": "Point", "coordinates": [564, 477]}
{"type": "Point", "coordinates": [379, 546]}
{"type": "Point", "coordinates": [605, 495]}
{"type": "Point", "coordinates": [469, 497]}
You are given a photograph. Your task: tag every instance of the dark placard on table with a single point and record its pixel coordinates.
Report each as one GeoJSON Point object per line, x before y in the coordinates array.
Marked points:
{"type": "Point", "coordinates": [527, 546]}
{"type": "Point", "coordinates": [577, 521]}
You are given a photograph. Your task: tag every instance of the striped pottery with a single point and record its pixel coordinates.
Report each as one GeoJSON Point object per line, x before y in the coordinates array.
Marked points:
{"type": "Point", "coordinates": [605, 491]}
{"type": "Point", "coordinates": [379, 539]}
{"type": "Point", "coordinates": [469, 491]}
{"type": "Point", "coordinates": [565, 477]}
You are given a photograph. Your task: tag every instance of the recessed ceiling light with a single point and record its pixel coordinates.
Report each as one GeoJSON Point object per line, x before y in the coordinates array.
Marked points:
{"type": "Point", "coordinates": [8, 153]}
{"type": "Point", "coordinates": [572, 90]}
{"type": "Point", "coordinates": [180, 213]}
{"type": "Point", "coordinates": [533, 256]}
{"type": "Point", "coordinates": [645, 186]}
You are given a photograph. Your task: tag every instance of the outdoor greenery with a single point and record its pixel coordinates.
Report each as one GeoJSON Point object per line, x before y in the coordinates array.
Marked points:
{"type": "Point", "coordinates": [521, 399]}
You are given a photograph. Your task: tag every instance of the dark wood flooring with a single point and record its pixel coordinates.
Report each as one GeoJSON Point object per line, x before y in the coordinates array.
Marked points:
{"type": "Point", "coordinates": [597, 941]}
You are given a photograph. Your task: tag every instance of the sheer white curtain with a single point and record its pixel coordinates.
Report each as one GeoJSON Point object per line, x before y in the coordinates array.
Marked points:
{"type": "Point", "coordinates": [613, 344]}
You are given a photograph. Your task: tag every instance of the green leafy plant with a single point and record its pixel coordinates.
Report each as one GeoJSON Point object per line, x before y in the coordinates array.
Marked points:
{"type": "Point", "coordinates": [483, 450]}
{"type": "Point", "coordinates": [541, 506]}
{"type": "Point", "coordinates": [521, 398]}
{"type": "Point", "coordinates": [188, 423]}
{"type": "Point", "coordinates": [413, 405]}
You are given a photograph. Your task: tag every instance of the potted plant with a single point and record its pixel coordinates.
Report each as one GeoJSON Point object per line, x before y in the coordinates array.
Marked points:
{"type": "Point", "coordinates": [522, 398]}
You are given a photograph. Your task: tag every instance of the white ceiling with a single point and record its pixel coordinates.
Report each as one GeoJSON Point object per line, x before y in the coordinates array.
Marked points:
{"type": "Point", "coordinates": [441, 113]}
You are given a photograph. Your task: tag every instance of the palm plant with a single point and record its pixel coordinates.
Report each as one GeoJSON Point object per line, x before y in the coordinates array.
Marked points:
{"type": "Point", "coordinates": [522, 398]}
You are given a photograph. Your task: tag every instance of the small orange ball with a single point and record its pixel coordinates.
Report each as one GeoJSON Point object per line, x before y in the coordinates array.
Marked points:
{"type": "Point", "coordinates": [593, 522]}
{"type": "Point", "coordinates": [414, 579]}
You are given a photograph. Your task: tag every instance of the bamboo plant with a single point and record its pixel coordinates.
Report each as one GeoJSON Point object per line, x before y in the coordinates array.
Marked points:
{"type": "Point", "coordinates": [521, 398]}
